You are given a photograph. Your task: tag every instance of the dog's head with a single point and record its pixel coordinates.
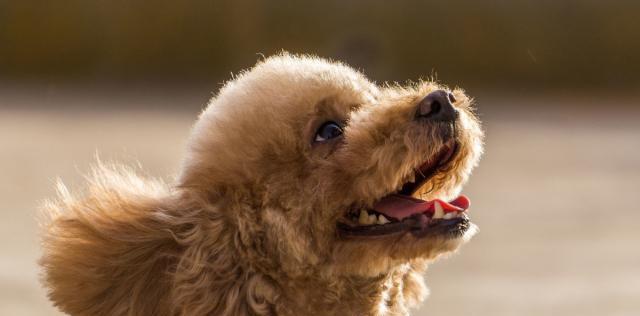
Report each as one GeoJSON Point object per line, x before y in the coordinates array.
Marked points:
{"type": "Point", "coordinates": [320, 169]}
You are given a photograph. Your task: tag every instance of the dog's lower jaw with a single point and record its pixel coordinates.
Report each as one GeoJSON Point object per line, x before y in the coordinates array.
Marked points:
{"type": "Point", "coordinates": [391, 293]}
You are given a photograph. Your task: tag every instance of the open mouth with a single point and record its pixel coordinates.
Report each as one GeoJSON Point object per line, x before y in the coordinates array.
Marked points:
{"type": "Point", "coordinates": [400, 212]}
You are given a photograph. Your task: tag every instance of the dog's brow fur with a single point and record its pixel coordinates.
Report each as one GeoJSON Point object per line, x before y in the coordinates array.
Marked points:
{"type": "Point", "coordinates": [249, 226]}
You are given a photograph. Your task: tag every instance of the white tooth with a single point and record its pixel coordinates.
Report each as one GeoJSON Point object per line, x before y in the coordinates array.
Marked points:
{"type": "Point", "coordinates": [382, 219]}
{"type": "Point", "coordinates": [450, 215]}
{"type": "Point", "coordinates": [439, 211]}
{"type": "Point", "coordinates": [372, 219]}
{"type": "Point", "coordinates": [363, 219]}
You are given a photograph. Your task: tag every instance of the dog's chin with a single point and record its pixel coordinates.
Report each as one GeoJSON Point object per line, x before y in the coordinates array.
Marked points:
{"type": "Point", "coordinates": [378, 256]}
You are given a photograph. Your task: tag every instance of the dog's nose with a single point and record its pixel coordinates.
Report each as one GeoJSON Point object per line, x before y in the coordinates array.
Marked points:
{"type": "Point", "coordinates": [437, 106]}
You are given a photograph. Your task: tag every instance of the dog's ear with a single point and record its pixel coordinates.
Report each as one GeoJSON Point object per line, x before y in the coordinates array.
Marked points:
{"type": "Point", "coordinates": [135, 246]}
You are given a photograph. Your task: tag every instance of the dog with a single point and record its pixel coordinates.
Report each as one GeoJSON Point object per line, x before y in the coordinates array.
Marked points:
{"type": "Point", "coordinates": [306, 189]}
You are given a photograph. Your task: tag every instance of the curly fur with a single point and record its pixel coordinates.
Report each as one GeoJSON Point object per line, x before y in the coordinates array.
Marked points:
{"type": "Point", "coordinates": [249, 226]}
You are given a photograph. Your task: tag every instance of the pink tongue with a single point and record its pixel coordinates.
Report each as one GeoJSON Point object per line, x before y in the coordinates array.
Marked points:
{"type": "Point", "coordinates": [401, 206]}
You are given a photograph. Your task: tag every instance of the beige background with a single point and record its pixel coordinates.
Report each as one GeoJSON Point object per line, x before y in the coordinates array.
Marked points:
{"type": "Point", "coordinates": [554, 195]}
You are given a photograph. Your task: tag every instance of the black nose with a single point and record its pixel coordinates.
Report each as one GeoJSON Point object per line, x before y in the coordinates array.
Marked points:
{"type": "Point", "coordinates": [437, 106]}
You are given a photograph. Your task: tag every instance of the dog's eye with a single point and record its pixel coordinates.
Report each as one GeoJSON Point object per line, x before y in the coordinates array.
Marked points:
{"type": "Point", "coordinates": [327, 131]}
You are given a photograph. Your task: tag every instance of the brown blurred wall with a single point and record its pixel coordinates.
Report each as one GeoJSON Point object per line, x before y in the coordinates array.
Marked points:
{"type": "Point", "coordinates": [545, 44]}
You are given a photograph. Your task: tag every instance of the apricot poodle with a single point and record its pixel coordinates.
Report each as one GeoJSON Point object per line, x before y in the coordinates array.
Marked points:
{"type": "Point", "coordinates": [306, 190]}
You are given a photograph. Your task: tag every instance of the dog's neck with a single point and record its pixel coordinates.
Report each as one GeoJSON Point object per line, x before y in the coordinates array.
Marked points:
{"type": "Point", "coordinates": [243, 281]}
{"type": "Point", "coordinates": [392, 293]}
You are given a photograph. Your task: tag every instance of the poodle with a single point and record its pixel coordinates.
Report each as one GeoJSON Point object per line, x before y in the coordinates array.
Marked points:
{"type": "Point", "coordinates": [306, 189]}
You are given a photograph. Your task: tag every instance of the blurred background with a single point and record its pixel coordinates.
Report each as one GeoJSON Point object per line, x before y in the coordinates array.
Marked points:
{"type": "Point", "coordinates": [556, 84]}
